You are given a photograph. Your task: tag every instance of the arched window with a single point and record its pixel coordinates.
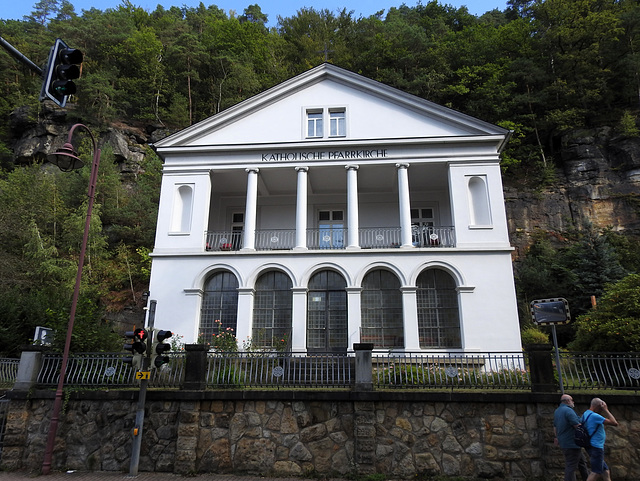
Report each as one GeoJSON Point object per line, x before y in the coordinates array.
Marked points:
{"type": "Point", "coordinates": [479, 201]}
{"type": "Point", "coordinates": [183, 203]}
{"type": "Point", "coordinates": [219, 305]}
{"type": "Point", "coordinates": [272, 309]}
{"type": "Point", "coordinates": [327, 312]}
{"type": "Point", "coordinates": [438, 312]}
{"type": "Point", "coordinates": [381, 310]}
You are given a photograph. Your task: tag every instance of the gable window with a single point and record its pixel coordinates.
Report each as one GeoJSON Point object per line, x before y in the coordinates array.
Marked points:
{"type": "Point", "coordinates": [318, 118]}
{"type": "Point", "coordinates": [337, 123]}
{"type": "Point", "coordinates": [314, 123]}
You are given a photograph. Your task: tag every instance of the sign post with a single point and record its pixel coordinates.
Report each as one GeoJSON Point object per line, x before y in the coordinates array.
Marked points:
{"type": "Point", "coordinates": [549, 312]}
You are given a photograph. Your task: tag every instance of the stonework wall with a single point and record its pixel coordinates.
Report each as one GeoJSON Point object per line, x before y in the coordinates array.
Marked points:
{"type": "Point", "coordinates": [402, 436]}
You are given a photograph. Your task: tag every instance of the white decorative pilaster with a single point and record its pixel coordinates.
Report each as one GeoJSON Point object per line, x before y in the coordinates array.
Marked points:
{"type": "Point", "coordinates": [299, 327]}
{"type": "Point", "coordinates": [410, 319]}
{"type": "Point", "coordinates": [353, 315]}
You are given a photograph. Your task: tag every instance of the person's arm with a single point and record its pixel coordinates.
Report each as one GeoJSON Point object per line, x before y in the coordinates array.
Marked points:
{"type": "Point", "coordinates": [609, 419]}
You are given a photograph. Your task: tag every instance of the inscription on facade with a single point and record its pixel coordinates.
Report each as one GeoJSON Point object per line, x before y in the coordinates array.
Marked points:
{"type": "Point", "coordinates": [324, 155]}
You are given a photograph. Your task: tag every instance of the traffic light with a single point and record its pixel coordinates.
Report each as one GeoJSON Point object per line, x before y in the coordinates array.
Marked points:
{"type": "Point", "coordinates": [138, 346]}
{"type": "Point", "coordinates": [63, 66]}
{"type": "Point", "coordinates": [159, 347]}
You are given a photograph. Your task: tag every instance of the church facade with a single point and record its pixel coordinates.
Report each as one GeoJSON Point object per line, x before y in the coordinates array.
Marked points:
{"type": "Point", "coordinates": [331, 210]}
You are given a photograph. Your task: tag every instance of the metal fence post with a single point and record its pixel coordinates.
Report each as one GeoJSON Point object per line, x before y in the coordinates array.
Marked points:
{"type": "Point", "coordinates": [541, 368]}
{"type": "Point", "coordinates": [195, 369]}
{"type": "Point", "coordinates": [363, 366]}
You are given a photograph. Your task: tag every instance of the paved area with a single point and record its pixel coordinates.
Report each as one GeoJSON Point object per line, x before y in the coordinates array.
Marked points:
{"type": "Point", "coordinates": [142, 476]}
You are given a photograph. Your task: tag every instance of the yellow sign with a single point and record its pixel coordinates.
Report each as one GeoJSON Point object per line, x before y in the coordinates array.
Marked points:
{"type": "Point", "coordinates": [143, 375]}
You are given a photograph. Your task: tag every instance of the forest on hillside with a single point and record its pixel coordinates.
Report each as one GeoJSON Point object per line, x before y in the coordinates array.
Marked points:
{"type": "Point", "coordinates": [539, 68]}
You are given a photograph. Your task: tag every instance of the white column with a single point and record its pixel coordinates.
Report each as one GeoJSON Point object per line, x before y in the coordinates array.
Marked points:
{"type": "Point", "coordinates": [410, 318]}
{"type": "Point", "coordinates": [250, 210]}
{"type": "Point", "coordinates": [245, 315]}
{"type": "Point", "coordinates": [353, 224]}
{"type": "Point", "coordinates": [301, 209]}
{"type": "Point", "coordinates": [299, 326]}
{"type": "Point", "coordinates": [405, 205]}
{"type": "Point", "coordinates": [353, 316]}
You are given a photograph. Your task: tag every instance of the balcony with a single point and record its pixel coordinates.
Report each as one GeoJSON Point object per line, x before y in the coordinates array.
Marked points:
{"type": "Point", "coordinates": [332, 238]}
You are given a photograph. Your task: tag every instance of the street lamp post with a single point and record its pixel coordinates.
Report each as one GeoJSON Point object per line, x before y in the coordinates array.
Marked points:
{"type": "Point", "coordinates": [67, 160]}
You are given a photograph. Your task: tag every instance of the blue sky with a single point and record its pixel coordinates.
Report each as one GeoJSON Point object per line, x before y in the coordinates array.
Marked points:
{"type": "Point", "coordinates": [12, 9]}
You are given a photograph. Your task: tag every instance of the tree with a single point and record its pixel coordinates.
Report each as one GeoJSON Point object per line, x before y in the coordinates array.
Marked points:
{"type": "Point", "coordinates": [614, 324]}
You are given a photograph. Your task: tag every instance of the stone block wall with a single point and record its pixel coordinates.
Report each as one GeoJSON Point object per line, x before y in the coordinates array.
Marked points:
{"type": "Point", "coordinates": [400, 434]}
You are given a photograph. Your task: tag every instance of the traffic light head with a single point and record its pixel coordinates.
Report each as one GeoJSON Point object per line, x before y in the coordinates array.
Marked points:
{"type": "Point", "coordinates": [137, 347]}
{"type": "Point", "coordinates": [159, 347]}
{"type": "Point", "coordinates": [62, 68]}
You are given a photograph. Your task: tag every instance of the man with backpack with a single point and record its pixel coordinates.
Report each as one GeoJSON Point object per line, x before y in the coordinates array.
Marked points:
{"type": "Point", "coordinates": [565, 420]}
{"type": "Point", "coordinates": [594, 420]}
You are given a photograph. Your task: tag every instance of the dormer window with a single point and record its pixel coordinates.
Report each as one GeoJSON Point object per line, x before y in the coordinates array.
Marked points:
{"type": "Point", "coordinates": [337, 122]}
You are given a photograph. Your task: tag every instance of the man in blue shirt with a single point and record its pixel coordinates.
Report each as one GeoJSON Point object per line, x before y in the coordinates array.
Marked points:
{"type": "Point", "coordinates": [565, 420]}
{"type": "Point", "coordinates": [595, 419]}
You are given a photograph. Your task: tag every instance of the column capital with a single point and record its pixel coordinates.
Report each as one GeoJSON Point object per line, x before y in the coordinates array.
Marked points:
{"type": "Point", "coordinates": [352, 167]}
{"type": "Point", "coordinates": [402, 165]}
{"type": "Point", "coordinates": [302, 169]}
{"type": "Point", "coordinates": [252, 169]}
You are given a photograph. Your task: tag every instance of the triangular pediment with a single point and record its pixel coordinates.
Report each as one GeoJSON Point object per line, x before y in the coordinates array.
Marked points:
{"type": "Point", "coordinates": [373, 110]}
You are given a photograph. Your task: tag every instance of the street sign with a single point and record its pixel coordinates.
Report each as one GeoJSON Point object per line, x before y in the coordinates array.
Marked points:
{"type": "Point", "coordinates": [550, 311]}
{"type": "Point", "coordinates": [143, 375]}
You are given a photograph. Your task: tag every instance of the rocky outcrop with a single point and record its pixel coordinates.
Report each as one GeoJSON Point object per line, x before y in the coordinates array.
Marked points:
{"type": "Point", "coordinates": [598, 181]}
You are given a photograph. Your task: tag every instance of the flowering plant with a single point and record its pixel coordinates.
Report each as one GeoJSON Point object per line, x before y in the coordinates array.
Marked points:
{"type": "Point", "coordinates": [225, 339]}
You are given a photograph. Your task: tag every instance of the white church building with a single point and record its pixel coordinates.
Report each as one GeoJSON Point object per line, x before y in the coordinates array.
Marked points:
{"type": "Point", "coordinates": [331, 210]}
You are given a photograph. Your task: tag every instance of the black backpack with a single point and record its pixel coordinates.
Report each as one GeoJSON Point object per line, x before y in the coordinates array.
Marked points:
{"type": "Point", "coordinates": [581, 436]}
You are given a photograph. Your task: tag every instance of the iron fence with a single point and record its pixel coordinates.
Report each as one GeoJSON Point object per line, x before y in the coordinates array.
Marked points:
{"type": "Point", "coordinates": [600, 370]}
{"type": "Point", "coordinates": [451, 370]}
{"type": "Point", "coordinates": [8, 371]}
{"type": "Point", "coordinates": [107, 369]}
{"type": "Point", "coordinates": [390, 370]}
{"type": "Point", "coordinates": [276, 369]}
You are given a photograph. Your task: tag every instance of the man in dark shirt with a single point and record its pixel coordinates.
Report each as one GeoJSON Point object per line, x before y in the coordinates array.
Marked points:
{"type": "Point", "coordinates": [565, 420]}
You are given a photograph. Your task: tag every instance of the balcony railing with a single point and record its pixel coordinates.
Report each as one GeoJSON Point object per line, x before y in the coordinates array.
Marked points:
{"type": "Point", "coordinates": [333, 238]}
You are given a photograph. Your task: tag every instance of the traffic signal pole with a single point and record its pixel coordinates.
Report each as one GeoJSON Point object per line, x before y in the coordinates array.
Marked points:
{"type": "Point", "coordinates": [142, 396]}
{"type": "Point", "coordinates": [19, 56]}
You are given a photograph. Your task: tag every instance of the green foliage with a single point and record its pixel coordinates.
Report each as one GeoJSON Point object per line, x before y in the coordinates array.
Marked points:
{"type": "Point", "coordinates": [532, 335]}
{"type": "Point", "coordinates": [614, 324]}
{"type": "Point", "coordinates": [628, 126]}
{"type": "Point", "coordinates": [90, 333]}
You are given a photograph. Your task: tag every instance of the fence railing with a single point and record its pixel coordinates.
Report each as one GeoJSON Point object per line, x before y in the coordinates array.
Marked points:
{"type": "Point", "coordinates": [107, 369]}
{"type": "Point", "coordinates": [276, 369]}
{"type": "Point", "coordinates": [8, 371]}
{"type": "Point", "coordinates": [481, 370]}
{"type": "Point", "coordinates": [389, 370]}
{"type": "Point", "coordinates": [600, 370]}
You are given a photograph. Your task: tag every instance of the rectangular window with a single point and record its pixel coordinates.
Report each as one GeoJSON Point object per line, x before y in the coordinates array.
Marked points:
{"type": "Point", "coordinates": [314, 123]}
{"type": "Point", "coordinates": [337, 123]}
